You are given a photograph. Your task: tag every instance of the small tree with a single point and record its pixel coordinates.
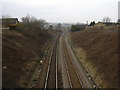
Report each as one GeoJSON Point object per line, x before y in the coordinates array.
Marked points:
{"type": "Point", "coordinates": [26, 19]}
{"type": "Point", "coordinates": [32, 22]}
{"type": "Point", "coordinates": [77, 27]}
{"type": "Point", "coordinates": [74, 28]}
{"type": "Point", "coordinates": [59, 27]}
{"type": "Point", "coordinates": [106, 20]}
{"type": "Point", "coordinates": [51, 28]}
{"type": "Point", "coordinates": [92, 23]}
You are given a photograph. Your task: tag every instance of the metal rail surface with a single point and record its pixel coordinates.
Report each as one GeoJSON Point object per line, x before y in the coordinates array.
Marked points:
{"type": "Point", "coordinates": [69, 68]}
{"type": "Point", "coordinates": [51, 77]}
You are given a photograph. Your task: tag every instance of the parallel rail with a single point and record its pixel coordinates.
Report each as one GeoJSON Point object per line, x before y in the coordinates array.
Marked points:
{"type": "Point", "coordinates": [95, 87]}
{"type": "Point", "coordinates": [73, 76]}
{"type": "Point", "coordinates": [52, 72]}
{"type": "Point", "coordinates": [68, 74]}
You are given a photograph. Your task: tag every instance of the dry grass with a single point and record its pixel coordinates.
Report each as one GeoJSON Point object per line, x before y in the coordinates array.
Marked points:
{"type": "Point", "coordinates": [98, 50]}
{"type": "Point", "coordinates": [21, 50]}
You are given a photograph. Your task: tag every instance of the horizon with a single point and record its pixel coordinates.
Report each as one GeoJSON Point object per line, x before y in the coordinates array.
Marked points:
{"type": "Point", "coordinates": [76, 11]}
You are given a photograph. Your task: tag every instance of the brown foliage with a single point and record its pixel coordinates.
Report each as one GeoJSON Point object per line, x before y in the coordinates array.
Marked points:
{"type": "Point", "coordinates": [21, 50]}
{"type": "Point", "coordinates": [101, 47]}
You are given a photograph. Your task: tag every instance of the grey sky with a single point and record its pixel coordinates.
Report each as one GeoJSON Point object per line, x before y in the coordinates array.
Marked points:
{"type": "Point", "coordinates": [119, 10]}
{"type": "Point", "coordinates": [62, 10]}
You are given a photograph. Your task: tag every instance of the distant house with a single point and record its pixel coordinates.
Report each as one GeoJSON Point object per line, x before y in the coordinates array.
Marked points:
{"type": "Point", "coordinates": [7, 21]}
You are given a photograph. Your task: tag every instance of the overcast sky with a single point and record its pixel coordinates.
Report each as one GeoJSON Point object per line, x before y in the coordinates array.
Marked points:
{"type": "Point", "coordinates": [72, 11]}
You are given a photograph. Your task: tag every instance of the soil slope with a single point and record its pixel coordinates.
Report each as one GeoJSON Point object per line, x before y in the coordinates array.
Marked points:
{"type": "Point", "coordinates": [21, 51]}
{"type": "Point", "coordinates": [98, 51]}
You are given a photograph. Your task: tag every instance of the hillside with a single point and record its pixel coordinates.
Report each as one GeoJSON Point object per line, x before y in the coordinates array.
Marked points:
{"type": "Point", "coordinates": [98, 51]}
{"type": "Point", "coordinates": [21, 51]}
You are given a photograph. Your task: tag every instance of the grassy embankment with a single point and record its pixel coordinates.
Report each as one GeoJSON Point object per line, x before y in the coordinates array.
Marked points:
{"type": "Point", "coordinates": [98, 51]}
{"type": "Point", "coordinates": [22, 49]}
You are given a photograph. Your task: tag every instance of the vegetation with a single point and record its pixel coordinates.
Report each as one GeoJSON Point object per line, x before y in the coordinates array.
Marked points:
{"type": "Point", "coordinates": [106, 20]}
{"type": "Point", "coordinates": [30, 22]}
{"type": "Point", "coordinates": [77, 27]}
{"type": "Point", "coordinates": [51, 28]}
{"type": "Point", "coordinates": [58, 27]}
{"type": "Point", "coordinates": [92, 23]}
{"type": "Point", "coordinates": [22, 49]}
{"type": "Point", "coordinates": [98, 51]}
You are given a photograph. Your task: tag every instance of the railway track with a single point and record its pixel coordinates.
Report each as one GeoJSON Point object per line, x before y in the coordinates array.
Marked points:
{"type": "Point", "coordinates": [85, 79]}
{"type": "Point", "coordinates": [73, 76]}
{"type": "Point", "coordinates": [52, 72]}
{"type": "Point", "coordinates": [52, 77]}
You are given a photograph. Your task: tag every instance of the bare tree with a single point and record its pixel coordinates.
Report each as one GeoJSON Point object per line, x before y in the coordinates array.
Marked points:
{"type": "Point", "coordinates": [106, 20]}
{"type": "Point", "coordinates": [31, 21]}
{"type": "Point", "coordinates": [58, 27]}
{"type": "Point", "coordinates": [50, 27]}
{"type": "Point", "coordinates": [26, 19]}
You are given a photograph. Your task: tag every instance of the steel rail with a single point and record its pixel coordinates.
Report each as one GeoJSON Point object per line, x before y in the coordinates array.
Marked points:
{"type": "Point", "coordinates": [70, 82]}
{"type": "Point", "coordinates": [68, 75]}
{"type": "Point", "coordinates": [56, 72]}
{"type": "Point", "coordinates": [48, 71]}
{"type": "Point", "coordinates": [94, 84]}
{"type": "Point", "coordinates": [76, 72]}
{"type": "Point", "coordinates": [73, 67]}
{"type": "Point", "coordinates": [53, 54]}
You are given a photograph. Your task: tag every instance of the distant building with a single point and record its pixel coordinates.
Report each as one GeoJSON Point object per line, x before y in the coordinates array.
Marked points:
{"type": "Point", "coordinates": [5, 22]}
